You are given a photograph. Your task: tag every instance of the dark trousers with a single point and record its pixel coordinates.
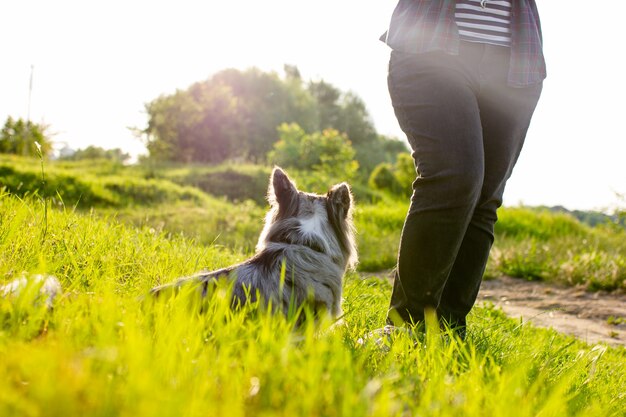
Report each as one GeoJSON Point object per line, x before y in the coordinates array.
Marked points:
{"type": "Point", "coordinates": [466, 128]}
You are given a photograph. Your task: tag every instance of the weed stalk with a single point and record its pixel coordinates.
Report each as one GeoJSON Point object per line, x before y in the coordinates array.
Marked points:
{"type": "Point", "coordinates": [43, 197]}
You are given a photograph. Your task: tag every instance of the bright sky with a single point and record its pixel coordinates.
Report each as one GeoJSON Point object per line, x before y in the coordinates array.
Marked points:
{"type": "Point", "coordinates": [96, 64]}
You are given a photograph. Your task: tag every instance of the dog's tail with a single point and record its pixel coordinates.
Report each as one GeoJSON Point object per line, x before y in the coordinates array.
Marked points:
{"type": "Point", "coordinates": [46, 287]}
{"type": "Point", "coordinates": [203, 282]}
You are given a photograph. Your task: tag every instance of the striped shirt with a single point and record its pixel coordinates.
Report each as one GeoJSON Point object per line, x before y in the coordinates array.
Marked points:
{"type": "Point", "coordinates": [484, 21]}
{"type": "Point", "coordinates": [429, 25]}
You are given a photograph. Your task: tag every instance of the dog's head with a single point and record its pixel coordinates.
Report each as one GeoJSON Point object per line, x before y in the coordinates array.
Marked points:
{"type": "Point", "coordinates": [321, 222]}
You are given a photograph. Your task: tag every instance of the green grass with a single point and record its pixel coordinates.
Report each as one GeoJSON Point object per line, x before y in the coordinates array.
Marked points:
{"type": "Point", "coordinates": [539, 245]}
{"type": "Point", "coordinates": [91, 188]}
{"type": "Point", "coordinates": [102, 352]}
{"type": "Point", "coordinates": [378, 234]}
{"type": "Point", "coordinates": [236, 182]}
{"type": "Point", "coordinates": [530, 244]}
{"type": "Point", "coordinates": [214, 223]}
{"type": "Point", "coordinates": [180, 200]}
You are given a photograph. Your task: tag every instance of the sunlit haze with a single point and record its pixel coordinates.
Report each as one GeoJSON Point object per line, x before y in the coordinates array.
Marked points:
{"type": "Point", "coordinates": [96, 65]}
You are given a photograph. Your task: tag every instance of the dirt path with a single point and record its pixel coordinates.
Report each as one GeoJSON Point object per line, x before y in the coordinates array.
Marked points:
{"type": "Point", "coordinates": [569, 310]}
{"type": "Point", "coordinates": [597, 317]}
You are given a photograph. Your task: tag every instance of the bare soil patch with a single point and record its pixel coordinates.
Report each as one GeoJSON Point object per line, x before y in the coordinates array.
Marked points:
{"type": "Point", "coordinates": [597, 317]}
{"type": "Point", "coordinates": [593, 317]}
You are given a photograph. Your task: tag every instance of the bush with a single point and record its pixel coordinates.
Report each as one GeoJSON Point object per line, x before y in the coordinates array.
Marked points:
{"type": "Point", "coordinates": [396, 179]}
{"type": "Point", "coordinates": [405, 171]}
{"type": "Point", "coordinates": [328, 151]}
{"type": "Point", "coordinates": [383, 178]}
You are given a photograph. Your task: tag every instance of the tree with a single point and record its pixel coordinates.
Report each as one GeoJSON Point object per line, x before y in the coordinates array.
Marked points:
{"type": "Point", "coordinates": [377, 150]}
{"type": "Point", "coordinates": [327, 109]}
{"type": "Point", "coordinates": [347, 112]}
{"type": "Point", "coordinates": [233, 114]}
{"type": "Point", "coordinates": [96, 152]}
{"type": "Point", "coordinates": [264, 102]}
{"type": "Point", "coordinates": [197, 125]}
{"type": "Point", "coordinates": [19, 137]}
{"type": "Point", "coordinates": [355, 121]}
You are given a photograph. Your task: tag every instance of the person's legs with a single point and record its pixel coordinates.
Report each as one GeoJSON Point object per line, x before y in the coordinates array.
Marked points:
{"type": "Point", "coordinates": [505, 116]}
{"type": "Point", "coordinates": [434, 98]}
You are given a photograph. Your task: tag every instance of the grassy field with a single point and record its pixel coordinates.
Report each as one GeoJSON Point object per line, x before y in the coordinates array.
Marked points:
{"type": "Point", "coordinates": [103, 352]}
{"type": "Point", "coordinates": [197, 202]}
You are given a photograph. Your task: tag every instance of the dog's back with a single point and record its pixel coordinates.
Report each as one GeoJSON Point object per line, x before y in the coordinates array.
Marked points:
{"type": "Point", "coordinates": [303, 252]}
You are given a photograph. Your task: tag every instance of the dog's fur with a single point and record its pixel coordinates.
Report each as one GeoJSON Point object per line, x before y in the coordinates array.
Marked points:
{"type": "Point", "coordinates": [303, 252]}
{"type": "Point", "coordinates": [47, 287]}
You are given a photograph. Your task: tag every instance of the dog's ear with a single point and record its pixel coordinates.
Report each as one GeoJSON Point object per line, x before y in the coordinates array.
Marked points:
{"type": "Point", "coordinates": [340, 200]}
{"type": "Point", "coordinates": [282, 190]}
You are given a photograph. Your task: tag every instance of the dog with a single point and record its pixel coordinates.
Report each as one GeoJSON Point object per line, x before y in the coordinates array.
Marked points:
{"type": "Point", "coordinates": [306, 247]}
{"type": "Point", "coordinates": [46, 287]}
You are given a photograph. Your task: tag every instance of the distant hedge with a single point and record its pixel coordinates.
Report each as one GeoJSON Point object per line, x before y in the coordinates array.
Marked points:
{"type": "Point", "coordinates": [85, 191]}
{"type": "Point", "coordinates": [235, 184]}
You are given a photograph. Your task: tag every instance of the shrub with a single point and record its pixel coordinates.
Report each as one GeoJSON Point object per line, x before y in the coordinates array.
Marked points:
{"type": "Point", "coordinates": [397, 178]}
{"type": "Point", "coordinates": [405, 171]}
{"type": "Point", "coordinates": [328, 151]}
{"type": "Point", "coordinates": [383, 178]}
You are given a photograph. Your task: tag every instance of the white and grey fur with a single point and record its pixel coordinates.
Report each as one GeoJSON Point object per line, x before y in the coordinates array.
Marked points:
{"type": "Point", "coordinates": [311, 236]}
{"type": "Point", "coordinates": [47, 286]}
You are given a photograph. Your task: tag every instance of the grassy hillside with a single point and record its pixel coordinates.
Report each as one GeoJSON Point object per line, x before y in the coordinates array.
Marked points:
{"type": "Point", "coordinates": [87, 185]}
{"type": "Point", "coordinates": [533, 244]}
{"type": "Point", "coordinates": [197, 202]}
{"type": "Point", "coordinates": [102, 352]}
{"type": "Point", "coordinates": [539, 244]}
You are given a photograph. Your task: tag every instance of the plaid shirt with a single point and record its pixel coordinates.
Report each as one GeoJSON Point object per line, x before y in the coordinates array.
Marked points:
{"type": "Point", "coordinates": [429, 25]}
